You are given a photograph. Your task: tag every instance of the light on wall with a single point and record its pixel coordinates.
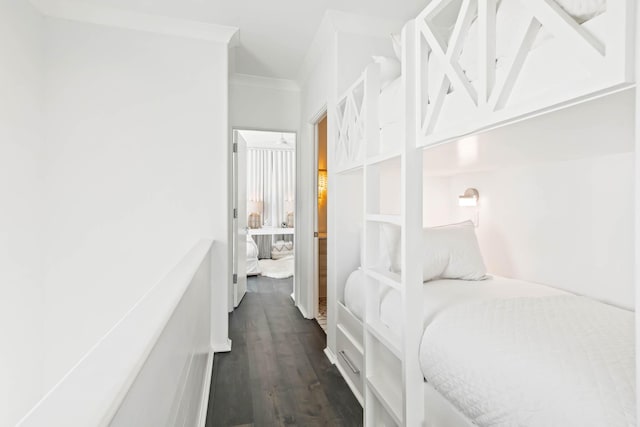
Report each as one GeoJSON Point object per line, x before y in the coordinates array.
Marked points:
{"type": "Point", "coordinates": [322, 184]}
{"type": "Point", "coordinates": [469, 198]}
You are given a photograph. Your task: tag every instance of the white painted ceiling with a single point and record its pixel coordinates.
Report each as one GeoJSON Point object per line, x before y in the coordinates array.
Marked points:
{"type": "Point", "coordinates": [274, 34]}
{"type": "Point", "coordinates": [265, 139]}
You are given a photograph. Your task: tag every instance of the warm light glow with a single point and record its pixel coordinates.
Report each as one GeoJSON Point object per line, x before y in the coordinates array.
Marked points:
{"type": "Point", "coordinates": [467, 201]}
{"type": "Point", "coordinates": [467, 150]}
{"type": "Point", "coordinates": [322, 184]}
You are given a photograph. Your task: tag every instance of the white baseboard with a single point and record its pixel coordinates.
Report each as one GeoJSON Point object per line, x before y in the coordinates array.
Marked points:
{"type": "Point", "coordinates": [304, 313]}
{"type": "Point", "coordinates": [330, 355]}
{"type": "Point", "coordinates": [206, 389]}
{"type": "Point", "coordinates": [222, 348]}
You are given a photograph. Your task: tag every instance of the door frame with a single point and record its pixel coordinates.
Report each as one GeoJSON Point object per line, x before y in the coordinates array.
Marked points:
{"type": "Point", "coordinates": [230, 218]}
{"type": "Point", "coordinates": [315, 294]}
{"type": "Point", "coordinates": [237, 244]}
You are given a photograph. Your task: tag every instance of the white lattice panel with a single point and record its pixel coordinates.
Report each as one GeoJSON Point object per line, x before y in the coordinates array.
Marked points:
{"type": "Point", "coordinates": [350, 120]}
{"type": "Point", "coordinates": [484, 62]}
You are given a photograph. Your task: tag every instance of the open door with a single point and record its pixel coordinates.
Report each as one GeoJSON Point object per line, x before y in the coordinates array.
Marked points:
{"type": "Point", "coordinates": [239, 218]}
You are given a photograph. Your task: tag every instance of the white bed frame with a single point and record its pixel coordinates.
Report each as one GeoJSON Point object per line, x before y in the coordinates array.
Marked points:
{"type": "Point", "coordinates": [383, 370]}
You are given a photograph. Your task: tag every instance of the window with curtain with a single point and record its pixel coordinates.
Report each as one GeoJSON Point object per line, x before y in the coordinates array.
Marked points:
{"type": "Point", "coordinates": [271, 183]}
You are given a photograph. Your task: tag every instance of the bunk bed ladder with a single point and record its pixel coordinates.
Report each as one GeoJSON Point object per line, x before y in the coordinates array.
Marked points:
{"type": "Point", "coordinates": [393, 388]}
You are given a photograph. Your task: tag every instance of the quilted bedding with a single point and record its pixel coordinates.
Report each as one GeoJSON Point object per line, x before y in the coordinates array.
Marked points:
{"type": "Point", "coordinates": [549, 361]}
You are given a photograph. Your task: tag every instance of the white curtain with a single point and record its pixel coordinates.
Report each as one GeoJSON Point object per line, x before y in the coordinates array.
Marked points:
{"type": "Point", "coordinates": [271, 183]}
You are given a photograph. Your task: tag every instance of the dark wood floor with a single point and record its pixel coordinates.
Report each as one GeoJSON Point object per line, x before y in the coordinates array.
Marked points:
{"type": "Point", "coordinates": [277, 373]}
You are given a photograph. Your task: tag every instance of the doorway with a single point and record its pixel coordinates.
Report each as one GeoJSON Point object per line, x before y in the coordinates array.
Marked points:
{"type": "Point", "coordinates": [321, 222]}
{"type": "Point", "coordinates": [264, 189]}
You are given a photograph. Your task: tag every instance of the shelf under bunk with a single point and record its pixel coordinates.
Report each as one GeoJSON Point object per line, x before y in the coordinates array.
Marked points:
{"type": "Point", "coordinates": [389, 395]}
{"type": "Point", "coordinates": [350, 324]}
{"type": "Point", "coordinates": [349, 335]}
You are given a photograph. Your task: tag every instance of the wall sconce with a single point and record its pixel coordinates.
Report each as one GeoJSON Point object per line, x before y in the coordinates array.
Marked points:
{"type": "Point", "coordinates": [322, 184]}
{"type": "Point", "coordinates": [469, 198]}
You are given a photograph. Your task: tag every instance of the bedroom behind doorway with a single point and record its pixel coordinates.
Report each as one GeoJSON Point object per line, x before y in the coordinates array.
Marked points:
{"type": "Point", "coordinates": [264, 198]}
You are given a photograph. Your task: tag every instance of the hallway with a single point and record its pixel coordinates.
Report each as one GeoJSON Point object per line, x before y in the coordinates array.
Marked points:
{"type": "Point", "coordinates": [277, 373]}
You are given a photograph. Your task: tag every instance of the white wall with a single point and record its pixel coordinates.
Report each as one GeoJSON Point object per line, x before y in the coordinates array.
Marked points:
{"type": "Point", "coordinates": [20, 209]}
{"type": "Point", "coordinates": [264, 104]}
{"type": "Point", "coordinates": [566, 221]}
{"type": "Point", "coordinates": [136, 173]}
{"type": "Point", "coordinates": [315, 92]}
{"type": "Point", "coordinates": [354, 52]}
{"type": "Point", "coordinates": [340, 57]}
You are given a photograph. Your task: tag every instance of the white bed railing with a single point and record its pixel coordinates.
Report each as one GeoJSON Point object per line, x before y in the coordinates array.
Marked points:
{"type": "Point", "coordinates": [350, 122]}
{"type": "Point", "coordinates": [152, 367]}
{"type": "Point", "coordinates": [533, 74]}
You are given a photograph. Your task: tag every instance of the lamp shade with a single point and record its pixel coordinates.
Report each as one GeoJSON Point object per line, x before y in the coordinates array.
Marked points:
{"type": "Point", "coordinates": [255, 206]}
{"type": "Point", "coordinates": [289, 205]}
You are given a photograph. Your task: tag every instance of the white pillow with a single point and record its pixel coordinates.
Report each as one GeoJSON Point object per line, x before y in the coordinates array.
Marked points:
{"type": "Point", "coordinates": [583, 10]}
{"type": "Point", "coordinates": [390, 247]}
{"type": "Point", "coordinates": [354, 289]}
{"type": "Point", "coordinates": [448, 252]}
{"type": "Point", "coordinates": [390, 69]}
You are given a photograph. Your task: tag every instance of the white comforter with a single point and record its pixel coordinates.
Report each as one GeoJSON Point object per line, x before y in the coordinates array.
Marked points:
{"type": "Point", "coordinates": [507, 352]}
{"type": "Point", "coordinates": [438, 295]}
{"type": "Point", "coordinates": [550, 361]}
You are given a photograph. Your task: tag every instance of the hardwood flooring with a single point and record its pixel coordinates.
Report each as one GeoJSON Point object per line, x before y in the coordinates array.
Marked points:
{"type": "Point", "coordinates": [277, 373]}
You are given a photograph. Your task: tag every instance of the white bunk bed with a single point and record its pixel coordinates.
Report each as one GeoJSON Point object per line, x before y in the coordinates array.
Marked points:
{"type": "Point", "coordinates": [468, 66]}
{"type": "Point", "coordinates": [494, 61]}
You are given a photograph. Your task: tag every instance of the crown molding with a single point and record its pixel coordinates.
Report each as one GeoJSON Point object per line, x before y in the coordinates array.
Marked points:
{"type": "Point", "coordinates": [75, 10]}
{"type": "Point", "coordinates": [238, 79]}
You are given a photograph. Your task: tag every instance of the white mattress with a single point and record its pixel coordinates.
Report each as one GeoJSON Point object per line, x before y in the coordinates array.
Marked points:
{"type": "Point", "coordinates": [557, 360]}
{"type": "Point", "coordinates": [439, 295]}
{"type": "Point", "coordinates": [354, 293]}
{"type": "Point", "coordinates": [508, 352]}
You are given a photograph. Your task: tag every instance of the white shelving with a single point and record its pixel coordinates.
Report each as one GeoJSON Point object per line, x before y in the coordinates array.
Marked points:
{"type": "Point", "coordinates": [385, 336]}
{"type": "Point", "coordinates": [389, 395]}
{"type": "Point", "coordinates": [393, 389]}
{"type": "Point", "coordinates": [389, 380]}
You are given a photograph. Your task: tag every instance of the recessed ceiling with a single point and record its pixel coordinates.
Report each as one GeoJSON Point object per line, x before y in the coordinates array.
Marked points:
{"type": "Point", "coordinates": [275, 34]}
